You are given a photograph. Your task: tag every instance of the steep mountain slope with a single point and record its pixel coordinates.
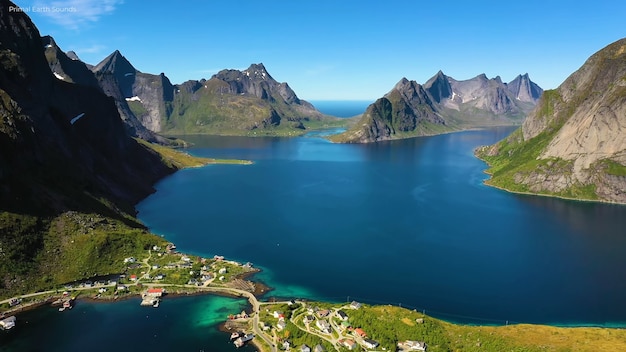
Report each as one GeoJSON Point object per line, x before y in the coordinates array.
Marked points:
{"type": "Point", "coordinates": [71, 69]}
{"type": "Point", "coordinates": [63, 148]}
{"type": "Point", "coordinates": [141, 98]}
{"type": "Point", "coordinates": [443, 104]}
{"type": "Point", "coordinates": [573, 144]}
{"type": "Point", "coordinates": [231, 102]}
{"type": "Point", "coordinates": [241, 102]}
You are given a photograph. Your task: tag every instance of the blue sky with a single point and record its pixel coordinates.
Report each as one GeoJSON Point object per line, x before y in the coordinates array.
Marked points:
{"type": "Point", "coordinates": [339, 49]}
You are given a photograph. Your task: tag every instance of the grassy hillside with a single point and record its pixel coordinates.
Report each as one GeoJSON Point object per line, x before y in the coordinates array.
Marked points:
{"type": "Point", "coordinates": [389, 325]}
{"type": "Point", "coordinates": [208, 111]}
{"type": "Point", "coordinates": [43, 251]}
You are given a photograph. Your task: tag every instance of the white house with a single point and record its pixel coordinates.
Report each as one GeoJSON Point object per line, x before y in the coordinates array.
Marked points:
{"type": "Point", "coordinates": [323, 325]}
{"type": "Point", "coordinates": [370, 343]}
{"type": "Point", "coordinates": [281, 325]}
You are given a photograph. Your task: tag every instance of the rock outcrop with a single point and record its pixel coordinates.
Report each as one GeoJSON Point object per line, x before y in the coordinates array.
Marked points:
{"type": "Point", "coordinates": [573, 144]}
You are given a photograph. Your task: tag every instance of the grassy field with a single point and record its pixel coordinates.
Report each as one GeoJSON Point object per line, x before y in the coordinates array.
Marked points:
{"type": "Point", "coordinates": [389, 325]}
{"type": "Point", "coordinates": [183, 160]}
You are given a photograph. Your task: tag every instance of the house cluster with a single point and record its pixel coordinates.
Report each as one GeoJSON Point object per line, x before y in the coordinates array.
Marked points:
{"type": "Point", "coordinates": [407, 346]}
{"type": "Point", "coordinates": [281, 324]}
{"type": "Point", "coordinates": [304, 348]}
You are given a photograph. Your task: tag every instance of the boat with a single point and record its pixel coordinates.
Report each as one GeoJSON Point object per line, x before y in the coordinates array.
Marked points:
{"type": "Point", "coordinates": [156, 303]}
{"type": "Point", "coordinates": [234, 336]}
{"type": "Point", "coordinates": [242, 340]}
{"type": "Point", "coordinates": [8, 323]}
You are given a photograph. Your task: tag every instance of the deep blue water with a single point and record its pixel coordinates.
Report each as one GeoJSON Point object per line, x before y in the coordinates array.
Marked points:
{"type": "Point", "coordinates": [342, 108]}
{"type": "Point", "coordinates": [404, 222]}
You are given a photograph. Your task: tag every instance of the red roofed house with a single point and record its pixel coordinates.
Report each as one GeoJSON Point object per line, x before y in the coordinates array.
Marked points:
{"type": "Point", "coordinates": [155, 292]}
{"type": "Point", "coordinates": [360, 332]}
{"type": "Point", "coordinates": [133, 277]}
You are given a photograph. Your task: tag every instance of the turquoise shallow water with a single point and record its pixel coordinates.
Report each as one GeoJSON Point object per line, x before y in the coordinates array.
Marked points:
{"type": "Point", "coordinates": [179, 324]}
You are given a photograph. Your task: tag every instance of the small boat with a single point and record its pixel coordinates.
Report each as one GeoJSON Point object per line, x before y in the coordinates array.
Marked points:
{"type": "Point", "coordinates": [8, 323]}
{"type": "Point", "coordinates": [234, 336]}
{"type": "Point", "coordinates": [156, 303]}
{"type": "Point", "coordinates": [67, 304]}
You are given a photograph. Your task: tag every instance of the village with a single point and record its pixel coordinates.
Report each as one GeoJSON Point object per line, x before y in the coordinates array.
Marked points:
{"type": "Point", "coordinates": [290, 325]}
{"type": "Point", "coordinates": [302, 326]}
{"type": "Point", "coordinates": [163, 271]}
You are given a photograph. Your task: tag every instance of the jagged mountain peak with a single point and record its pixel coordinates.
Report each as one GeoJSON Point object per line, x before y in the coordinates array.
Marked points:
{"type": "Point", "coordinates": [257, 71]}
{"type": "Point", "coordinates": [115, 63]}
{"type": "Point", "coordinates": [482, 77]}
{"type": "Point", "coordinates": [72, 55]}
{"type": "Point", "coordinates": [524, 89]}
{"type": "Point", "coordinates": [402, 83]}
{"type": "Point", "coordinates": [48, 41]}
{"type": "Point", "coordinates": [439, 87]}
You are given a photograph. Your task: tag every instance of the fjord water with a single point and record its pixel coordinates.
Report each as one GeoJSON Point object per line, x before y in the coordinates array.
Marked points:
{"type": "Point", "coordinates": [405, 222]}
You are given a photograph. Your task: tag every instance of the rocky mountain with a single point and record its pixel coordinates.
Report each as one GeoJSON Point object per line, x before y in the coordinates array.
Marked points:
{"type": "Point", "coordinates": [241, 102]}
{"type": "Point", "coordinates": [141, 98]}
{"type": "Point", "coordinates": [231, 102]}
{"type": "Point", "coordinates": [69, 68]}
{"type": "Point", "coordinates": [444, 104]}
{"type": "Point", "coordinates": [524, 89]}
{"type": "Point", "coordinates": [573, 144]}
{"type": "Point", "coordinates": [63, 147]}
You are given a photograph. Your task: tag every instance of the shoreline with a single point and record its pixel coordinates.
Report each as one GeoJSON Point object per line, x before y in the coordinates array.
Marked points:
{"type": "Point", "coordinates": [545, 195]}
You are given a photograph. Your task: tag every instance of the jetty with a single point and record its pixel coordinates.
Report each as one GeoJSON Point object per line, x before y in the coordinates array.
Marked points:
{"type": "Point", "coordinates": [8, 323]}
{"type": "Point", "coordinates": [152, 297]}
{"type": "Point", "coordinates": [240, 341]}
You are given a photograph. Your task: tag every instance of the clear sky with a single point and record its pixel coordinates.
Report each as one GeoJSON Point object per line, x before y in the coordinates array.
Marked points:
{"type": "Point", "coordinates": [339, 49]}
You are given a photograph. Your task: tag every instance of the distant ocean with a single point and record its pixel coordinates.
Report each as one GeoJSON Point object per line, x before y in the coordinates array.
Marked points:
{"type": "Point", "coordinates": [341, 108]}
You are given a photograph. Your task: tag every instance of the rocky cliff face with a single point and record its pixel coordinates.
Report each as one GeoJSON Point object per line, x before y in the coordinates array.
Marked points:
{"type": "Point", "coordinates": [577, 134]}
{"type": "Point", "coordinates": [444, 104]}
{"type": "Point", "coordinates": [524, 89]}
{"type": "Point", "coordinates": [143, 99]}
{"type": "Point", "coordinates": [69, 68]}
{"type": "Point", "coordinates": [61, 143]}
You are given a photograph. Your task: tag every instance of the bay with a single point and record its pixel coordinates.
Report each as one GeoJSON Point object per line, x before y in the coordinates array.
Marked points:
{"type": "Point", "coordinates": [404, 222]}
{"type": "Point", "coordinates": [179, 324]}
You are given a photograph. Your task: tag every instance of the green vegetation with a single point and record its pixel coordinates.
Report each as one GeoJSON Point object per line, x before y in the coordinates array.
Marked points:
{"type": "Point", "coordinates": [514, 163]}
{"type": "Point", "coordinates": [179, 160]}
{"type": "Point", "coordinates": [613, 168]}
{"type": "Point", "coordinates": [137, 108]}
{"type": "Point", "coordinates": [389, 325]}
{"type": "Point", "coordinates": [68, 247]}
{"type": "Point", "coordinates": [211, 110]}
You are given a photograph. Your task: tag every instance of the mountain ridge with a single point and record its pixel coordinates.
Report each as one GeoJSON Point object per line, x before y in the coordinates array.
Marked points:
{"type": "Point", "coordinates": [443, 104]}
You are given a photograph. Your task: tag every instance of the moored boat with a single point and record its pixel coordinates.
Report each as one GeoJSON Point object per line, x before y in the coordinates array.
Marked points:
{"type": "Point", "coordinates": [8, 323]}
